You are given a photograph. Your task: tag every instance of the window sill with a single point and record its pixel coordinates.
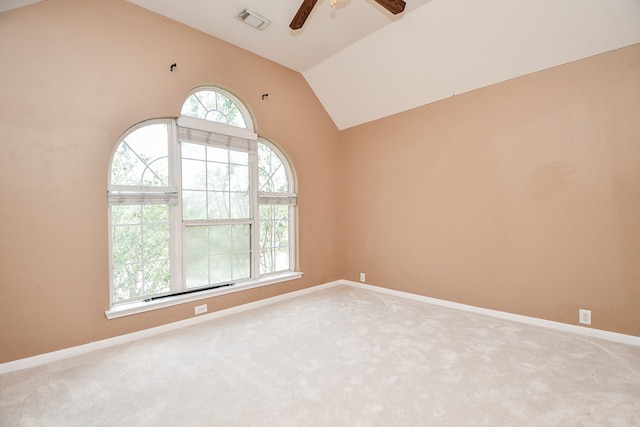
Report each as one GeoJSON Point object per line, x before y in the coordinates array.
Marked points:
{"type": "Point", "coordinates": [127, 309]}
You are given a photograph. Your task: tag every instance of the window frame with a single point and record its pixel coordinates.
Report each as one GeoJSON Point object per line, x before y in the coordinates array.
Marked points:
{"type": "Point", "coordinates": [290, 198]}
{"type": "Point", "coordinates": [118, 194]}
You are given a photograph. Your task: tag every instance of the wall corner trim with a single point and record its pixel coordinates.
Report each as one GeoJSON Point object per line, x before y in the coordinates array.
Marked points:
{"type": "Point", "coordinates": [550, 324]}
{"type": "Point", "coordinates": [41, 359]}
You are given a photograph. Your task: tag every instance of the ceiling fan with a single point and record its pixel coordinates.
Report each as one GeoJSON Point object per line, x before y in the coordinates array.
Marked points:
{"type": "Point", "coordinates": [393, 6]}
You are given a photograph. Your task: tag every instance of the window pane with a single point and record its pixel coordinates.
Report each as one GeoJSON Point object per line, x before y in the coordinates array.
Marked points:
{"type": "Point", "coordinates": [213, 106]}
{"type": "Point", "coordinates": [217, 254]}
{"type": "Point", "coordinates": [194, 173]}
{"type": "Point", "coordinates": [242, 237]}
{"type": "Point", "coordinates": [266, 212]}
{"type": "Point", "coordinates": [218, 176]}
{"type": "Point", "coordinates": [216, 116]}
{"type": "Point", "coordinates": [157, 277]}
{"type": "Point", "coordinates": [141, 158]}
{"type": "Point", "coordinates": [239, 178]}
{"type": "Point", "coordinates": [226, 185]}
{"type": "Point", "coordinates": [241, 266]}
{"type": "Point", "coordinates": [126, 214]}
{"type": "Point", "coordinates": [194, 205]}
{"type": "Point", "coordinates": [281, 234]}
{"type": "Point", "coordinates": [196, 256]}
{"type": "Point", "coordinates": [266, 263]}
{"type": "Point", "coordinates": [238, 157]}
{"type": "Point", "coordinates": [127, 243]}
{"type": "Point", "coordinates": [282, 258]}
{"type": "Point", "coordinates": [274, 238]}
{"type": "Point", "coordinates": [127, 282]}
{"type": "Point", "coordinates": [279, 181]}
{"type": "Point", "coordinates": [156, 240]}
{"type": "Point", "coordinates": [220, 268]}
{"type": "Point", "coordinates": [140, 250]}
{"type": "Point", "coordinates": [275, 223]}
{"type": "Point", "coordinates": [281, 212]}
{"type": "Point", "coordinates": [239, 204]}
{"type": "Point", "coordinates": [155, 214]}
{"type": "Point", "coordinates": [193, 108]}
{"type": "Point", "coordinates": [220, 239]}
{"type": "Point", "coordinates": [272, 175]}
{"type": "Point", "coordinates": [218, 205]}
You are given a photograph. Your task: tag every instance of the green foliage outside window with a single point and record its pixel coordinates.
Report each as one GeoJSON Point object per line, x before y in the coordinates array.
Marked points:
{"type": "Point", "coordinates": [140, 250]}
{"type": "Point", "coordinates": [212, 209]}
{"type": "Point", "coordinates": [213, 106]}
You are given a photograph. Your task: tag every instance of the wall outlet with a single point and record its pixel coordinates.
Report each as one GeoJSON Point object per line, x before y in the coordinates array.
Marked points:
{"type": "Point", "coordinates": [362, 277]}
{"type": "Point", "coordinates": [585, 316]}
{"type": "Point", "coordinates": [201, 309]}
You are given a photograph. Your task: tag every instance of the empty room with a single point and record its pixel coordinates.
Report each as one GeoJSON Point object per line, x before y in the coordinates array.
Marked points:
{"type": "Point", "coordinates": [320, 213]}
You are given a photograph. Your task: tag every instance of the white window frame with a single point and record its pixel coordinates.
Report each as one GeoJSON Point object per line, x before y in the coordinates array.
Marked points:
{"type": "Point", "coordinates": [290, 198]}
{"type": "Point", "coordinates": [173, 195]}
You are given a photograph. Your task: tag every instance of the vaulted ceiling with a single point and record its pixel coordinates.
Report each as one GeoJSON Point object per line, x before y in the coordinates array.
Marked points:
{"type": "Point", "coordinates": [364, 63]}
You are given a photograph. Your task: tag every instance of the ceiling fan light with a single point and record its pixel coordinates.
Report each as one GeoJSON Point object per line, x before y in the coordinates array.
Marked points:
{"type": "Point", "coordinates": [254, 19]}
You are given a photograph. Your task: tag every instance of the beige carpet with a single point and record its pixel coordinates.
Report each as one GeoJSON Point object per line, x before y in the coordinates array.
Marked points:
{"type": "Point", "coordinates": [337, 357]}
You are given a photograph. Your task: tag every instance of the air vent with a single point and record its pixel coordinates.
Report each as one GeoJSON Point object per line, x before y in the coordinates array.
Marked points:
{"type": "Point", "coordinates": [254, 19]}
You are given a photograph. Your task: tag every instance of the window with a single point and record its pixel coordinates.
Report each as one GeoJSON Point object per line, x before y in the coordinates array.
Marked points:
{"type": "Point", "coordinates": [197, 204]}
{"type": "Point", "coordinates": [276, 200]}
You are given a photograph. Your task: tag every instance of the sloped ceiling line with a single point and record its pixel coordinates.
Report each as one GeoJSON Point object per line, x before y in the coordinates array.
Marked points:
{"type": "Point", "coordinates": [357, 54]}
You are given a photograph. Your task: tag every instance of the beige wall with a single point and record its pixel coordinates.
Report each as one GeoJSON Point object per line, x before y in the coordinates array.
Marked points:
{"type": "Point", "coordinates": [75, 75]}
{"type": "Point", "coordinates": [522, 197]}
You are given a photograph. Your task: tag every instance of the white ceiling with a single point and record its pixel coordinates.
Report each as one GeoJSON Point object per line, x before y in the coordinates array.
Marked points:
{"type": "Point", "coordinates": [364, 63]}
{"type": "Point", "coordinates": [327, 30]}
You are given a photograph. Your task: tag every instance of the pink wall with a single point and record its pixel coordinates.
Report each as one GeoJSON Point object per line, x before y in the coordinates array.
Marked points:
{"type": "Point", "coordinates": [522, 197]}
{"type": "Point", "coordinates": [75, 75]}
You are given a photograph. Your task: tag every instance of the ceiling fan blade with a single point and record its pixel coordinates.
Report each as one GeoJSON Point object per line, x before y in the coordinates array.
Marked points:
{"type": "Point", "coordinates": [393, 6]}
{"type": "Point", "coordinates": [303, 13]}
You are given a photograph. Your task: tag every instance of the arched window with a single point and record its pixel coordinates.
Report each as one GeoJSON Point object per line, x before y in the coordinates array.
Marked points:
{"type": "Point", "coordinates": [218, 106]}
{"type": "Point", "coordinates": [277, 199]}
{"type": "Point", "coordinates": [198, 206]}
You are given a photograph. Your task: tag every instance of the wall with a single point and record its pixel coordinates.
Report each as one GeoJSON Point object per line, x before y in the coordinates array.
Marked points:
{"type": "Point", "coordinates": [522, 197]}
{"type": "Point", "coordinates": [75, 75]}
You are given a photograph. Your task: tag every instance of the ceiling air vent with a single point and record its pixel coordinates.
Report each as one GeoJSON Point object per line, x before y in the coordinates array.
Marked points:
{"type": "Point", "coordinates": [254, 19]}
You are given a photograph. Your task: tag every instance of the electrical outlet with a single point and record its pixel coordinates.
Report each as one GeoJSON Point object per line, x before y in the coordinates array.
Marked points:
{"type": "Point", "coordinates": [585, 316]}
{"type": "Point", "coordinates": [201, 309]}
{"type": "Point", "coordinates": [362, 277]}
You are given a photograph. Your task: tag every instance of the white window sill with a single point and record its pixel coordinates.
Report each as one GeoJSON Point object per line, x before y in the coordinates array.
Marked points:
{"type": "Point", "coordinates": [127, 309]}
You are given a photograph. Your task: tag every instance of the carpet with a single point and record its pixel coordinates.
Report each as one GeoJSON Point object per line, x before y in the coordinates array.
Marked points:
{"type": "Point", "coordinates": [341, 356]}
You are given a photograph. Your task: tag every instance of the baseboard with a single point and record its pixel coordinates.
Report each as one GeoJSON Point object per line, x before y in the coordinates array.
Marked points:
{"type": "Point", "coordinates": [559, 326]}
{"type": "Point", "coordinates": [41, 359]}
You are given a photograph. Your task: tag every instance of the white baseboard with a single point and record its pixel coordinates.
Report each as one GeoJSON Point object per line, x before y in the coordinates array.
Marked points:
{"type": "Point", "coordinates": [559, 326]}
{"type": "Point", "coordinates": [42, 359]}
{"type": "Point", "coordinates": [45, 358]}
